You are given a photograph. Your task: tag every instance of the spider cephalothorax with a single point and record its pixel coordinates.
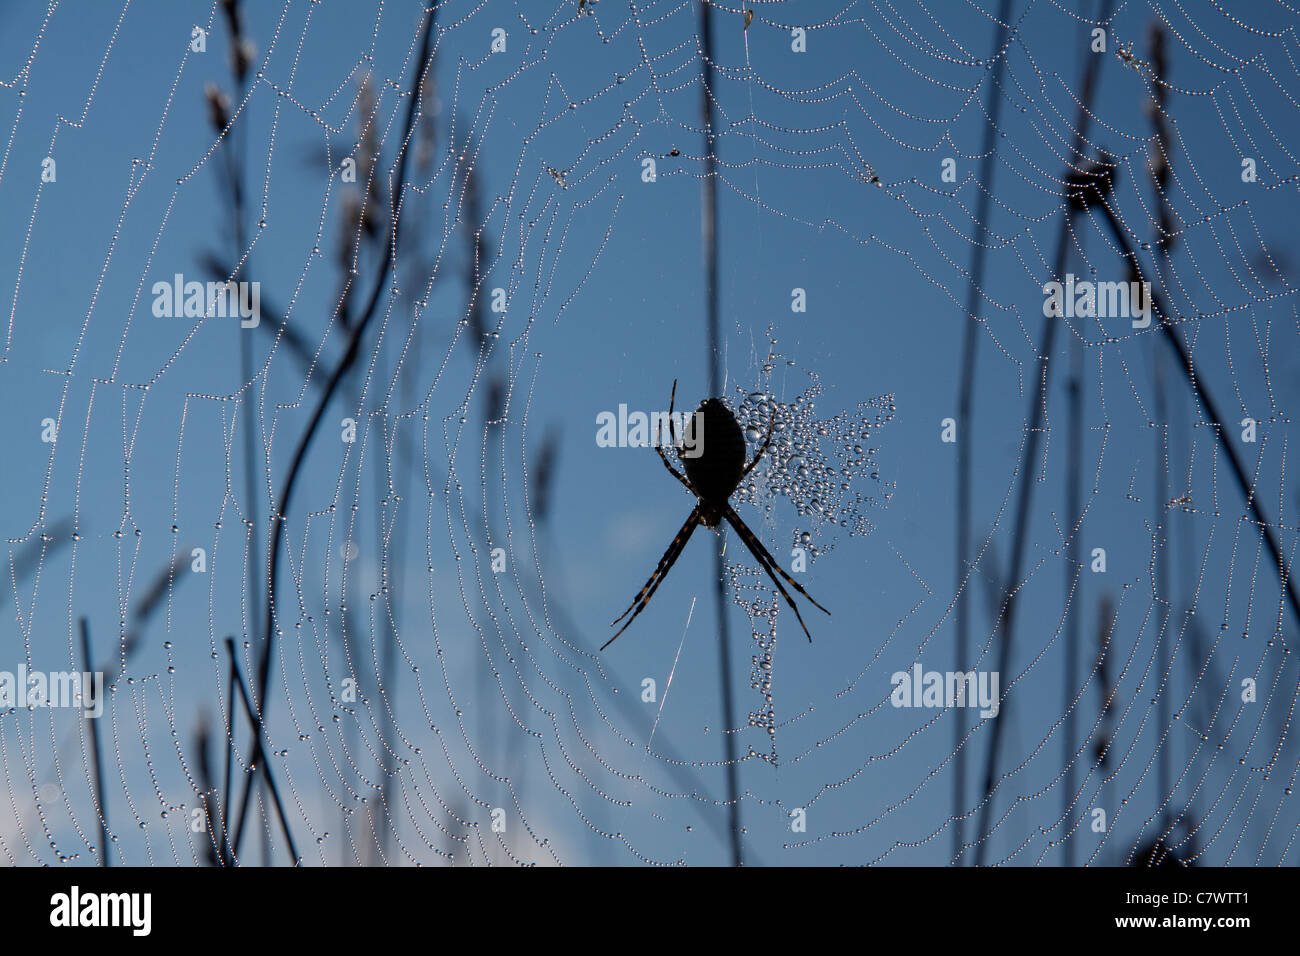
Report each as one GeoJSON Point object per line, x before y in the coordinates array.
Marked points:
{"type": "Point", "coordinates": [713, 475]}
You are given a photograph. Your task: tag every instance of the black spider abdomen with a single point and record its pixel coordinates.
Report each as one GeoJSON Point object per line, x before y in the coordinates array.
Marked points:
{"type": "Point", "coordinates": [721, 453]}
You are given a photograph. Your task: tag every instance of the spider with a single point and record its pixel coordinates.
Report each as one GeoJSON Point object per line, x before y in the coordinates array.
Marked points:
{"type": "Point", "coordinates": [712, 478]}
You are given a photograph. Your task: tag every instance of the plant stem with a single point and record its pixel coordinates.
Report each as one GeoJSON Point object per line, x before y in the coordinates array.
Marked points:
{"type": "Point", "coordinates": [340, 371]}
{"type": "Point", "coordinates": [965, 444]}
{"type": "Point", "coordinates": [1030, 459]}
{"type": "Point", "coordinates": [97, 756]}
{"type": "Point", "coordinates": [709, 237]}
{"type": "Point", "coordinates": [259, 753]}
{"type": "Point", "coordinates": [1193, 377]}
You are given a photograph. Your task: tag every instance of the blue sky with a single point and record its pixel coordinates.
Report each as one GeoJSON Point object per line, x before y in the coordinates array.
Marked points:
{"type": "Point", "coordinates": [500, 699]}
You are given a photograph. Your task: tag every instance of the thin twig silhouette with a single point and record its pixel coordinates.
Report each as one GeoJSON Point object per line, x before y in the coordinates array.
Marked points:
{"type": "Point", "coordinates": [1194, 380]}
{"type": "Point", "coordinates": [966, 390]}
{"type": "Point", "coordinates": [340, 371]}
{"type": "Point", "coordinates": [97, 753]}
{"type": "Point", "coordinates": [709, 230]}
{"type": "Point", "coordinates": [262, 768]}
{"type": "Point", "coordinates": [1032, 437]}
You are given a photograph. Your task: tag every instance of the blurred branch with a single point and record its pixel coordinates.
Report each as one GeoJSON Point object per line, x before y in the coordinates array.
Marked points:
{"type": "Point", "coordinates": [260, 756]}
{"type": "Point", "coordinates": [131, 640]}
{"type": "Point", "coordinates": [544, 474]}
{"type": "Point", "coordinates": [1032, 438]}
{"type": "Point", "coordinates": [965, 446]}
{"type": "Point", "coordinates": [241, 57]}
{"type": "Point", "coordinates": [344, 365]}
{"type": "Point", "coordinates": [34, 552]}
{"type": "Point", "coordinates": [241, 48]}
{"type": "Point", "coordinates": [1160, 170]}
{"type": "Point", "coordinates": [272, 321]}
{"type": "Point", "coordinates": [97, 759]}
{"type": "Point", "coordinates": [478, 252]}
{"type": "Point", "coordinates": [709, 238]}
{"type": "Point", "coordinates": [1197, 384]}
{"type": "Point", "coordinates": [162, 585]}
{"type": "Point", "coordinates": [678, 767]}
{"type": "Point", "coordinates": [208, 791]}
{"type": "Point", "coordinates": [1105, 627]}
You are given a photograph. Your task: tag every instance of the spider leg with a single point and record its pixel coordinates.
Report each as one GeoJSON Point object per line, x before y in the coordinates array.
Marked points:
{"type": "Point", "coordinates": [769, 564]}
{"type": "Point", "coordinates": [672, 426]}
{"type": "Point", "coordinates": [762, 562]}
{"type": "Point", "coordinates": [661, 571]}
{"type": "Point", "coordinates": [767, 441]}
{"type": "Point", "coordinates": [659, 445]}
{"type": "Point", "coordinates": [675, 473]}
{"type": "Point", "coordinates": [754, 544]}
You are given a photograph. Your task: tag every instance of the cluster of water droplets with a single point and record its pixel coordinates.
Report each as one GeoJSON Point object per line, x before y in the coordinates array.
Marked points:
{"type": "Point", "coordinates": [760, 603]}
{"type": "Point", "coordinates": [828, 469]}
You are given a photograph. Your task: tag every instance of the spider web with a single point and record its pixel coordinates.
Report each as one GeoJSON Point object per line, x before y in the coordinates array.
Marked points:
{"type": "Point", "coordinates": [463, 259]}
